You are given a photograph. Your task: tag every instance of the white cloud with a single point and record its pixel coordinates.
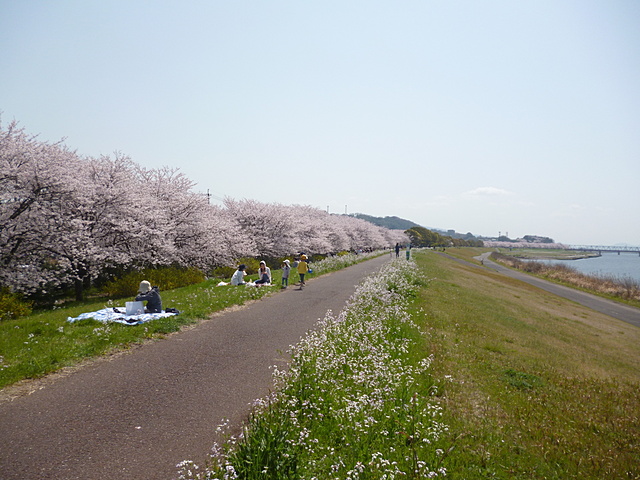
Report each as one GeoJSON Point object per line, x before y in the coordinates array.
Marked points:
{"type": "Point", "coordinates": [488, 191]}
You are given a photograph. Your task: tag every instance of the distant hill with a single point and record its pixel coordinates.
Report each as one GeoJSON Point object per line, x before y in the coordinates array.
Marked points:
{"type": "Point", "coordinates": [392, 223]}
{"type": "Point", "coordinates": [397, 223]}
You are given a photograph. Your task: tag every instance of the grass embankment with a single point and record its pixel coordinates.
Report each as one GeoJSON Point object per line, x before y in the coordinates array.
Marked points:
{"type": "Point", "coordinates": [620, 289]}
{"type": "Point", "coordinates": [546, 253]}
{"type": "Point", "coordinates": [526, 385]}
{"type": "Point", "coordinates": [539, 387]}
{"type": "Point", "coordinates": [44, 342]}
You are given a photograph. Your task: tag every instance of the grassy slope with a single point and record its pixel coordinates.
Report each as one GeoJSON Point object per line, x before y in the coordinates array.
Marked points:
{"type": "Point", "coordinates": [42, 343]}
{"type": "Point", "coordinates": [540, 387]}
{"type": "Point", "coordinates": [39, 344]}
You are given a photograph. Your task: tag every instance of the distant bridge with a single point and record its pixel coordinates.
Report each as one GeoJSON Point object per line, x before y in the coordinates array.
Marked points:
{"type": "Point", "coordinates": [601, 248]}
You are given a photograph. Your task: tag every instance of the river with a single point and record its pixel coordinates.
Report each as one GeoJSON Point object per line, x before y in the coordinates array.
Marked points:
{"type": "Point", "coordinates": [625, 265]}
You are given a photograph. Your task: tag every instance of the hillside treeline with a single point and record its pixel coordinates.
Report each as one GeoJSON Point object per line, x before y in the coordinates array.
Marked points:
{"type": "Point", "coordinates": [393, 223]}
{"type": "Point", "coordinates": [423, 237]}
{"type": "Point", "coordinates": [68, 221]}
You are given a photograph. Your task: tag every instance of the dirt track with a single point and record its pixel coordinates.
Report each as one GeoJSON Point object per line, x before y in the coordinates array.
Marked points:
{"type": "Point", "coordinates": [138, 415]}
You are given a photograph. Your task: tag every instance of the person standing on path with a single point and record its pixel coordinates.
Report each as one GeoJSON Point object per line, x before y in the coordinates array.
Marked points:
{"type": "Point", "coordinates": [286, 268]}
{"type": "Point", "coordinates": [397, 250]}
{"type": "Point", "coordinates": [303, 268]}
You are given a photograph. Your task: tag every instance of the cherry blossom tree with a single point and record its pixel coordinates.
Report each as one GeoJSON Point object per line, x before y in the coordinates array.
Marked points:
{"type": "Point", "coordinates": [182, 228]}
{"type": "Point", "coordinates": [311, 229]}
{"type": "Point", "coordinates": [36, 178]}
{"type": "Point", "coordinates": [105, 221]}
{"type": "Point", "coordinates": [272, 227]}
{"type": "Point", "coordinates": [66, 220]}
{"type": "Point", "coordinates": [224, 241]}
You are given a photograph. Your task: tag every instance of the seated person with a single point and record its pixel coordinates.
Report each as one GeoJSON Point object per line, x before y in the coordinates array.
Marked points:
{"type": "Point", "coordinates": [238, 276]}
{"type": "Point", "coordinates": [265, 274]}
{"type": "Point", "coordinates": [152, 297]}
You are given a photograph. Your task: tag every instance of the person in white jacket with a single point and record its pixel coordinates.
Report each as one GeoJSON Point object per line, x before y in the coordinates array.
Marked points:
{"type": "Point", "coordinates": [265, 274]}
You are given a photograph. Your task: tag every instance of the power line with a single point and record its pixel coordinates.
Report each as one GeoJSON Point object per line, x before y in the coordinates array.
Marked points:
{"type": "Point", "coordinates": [210, 195]}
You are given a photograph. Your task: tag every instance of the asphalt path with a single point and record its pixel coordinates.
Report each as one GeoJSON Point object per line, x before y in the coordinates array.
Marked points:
{"type": "Point", "coordinates": [140, 413]}
{"type": "Point", "coordinates": [617, 310]}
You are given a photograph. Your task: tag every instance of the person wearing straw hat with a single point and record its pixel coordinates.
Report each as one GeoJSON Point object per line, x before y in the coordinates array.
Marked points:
{"type": "Point", "coordinates": [151, 295]}
{"type": "Point", "coordinates": [303, 268]}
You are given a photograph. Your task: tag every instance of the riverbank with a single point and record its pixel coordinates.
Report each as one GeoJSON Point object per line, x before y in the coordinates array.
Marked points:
{"type": "Point", "coordinates": [545, 254]}
{"type": "Point", "coordinates": [623, 289]}
{"type": "Point", "coordinates": [620, 289]}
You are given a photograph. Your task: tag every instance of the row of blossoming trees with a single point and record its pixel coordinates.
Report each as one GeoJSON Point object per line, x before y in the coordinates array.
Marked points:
{"type": "Point", "coordinates": [66, 220]}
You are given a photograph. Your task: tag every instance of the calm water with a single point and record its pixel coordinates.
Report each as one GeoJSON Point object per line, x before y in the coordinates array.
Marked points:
{"type": "Point", "coordinates": [623, 265]}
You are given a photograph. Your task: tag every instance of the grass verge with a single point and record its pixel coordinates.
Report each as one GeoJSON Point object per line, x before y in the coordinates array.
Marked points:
{"type": "Point", "coordinates": [45, 342]}
{"type": "Point", "coordinates": [525, 385]}
{"type": "Point", "coordinates": [538, 387]}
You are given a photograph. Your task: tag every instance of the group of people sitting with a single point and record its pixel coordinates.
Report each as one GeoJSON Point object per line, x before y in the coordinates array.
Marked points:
{"type": "Point", "coordinates": [264, 273]}
{"type": "Point", "coordinates": [151, 295]}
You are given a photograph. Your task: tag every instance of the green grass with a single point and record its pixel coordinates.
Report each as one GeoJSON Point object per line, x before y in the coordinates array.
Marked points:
{"type": "Point", "coordinates": [530, 386]}
{"type": "Point", "coordinates": [44, 342]}
{"type": "Point", "coordinates": [622, 290]}
{"type": "Point", "coordinates": [356, 401]}
{"type": "Point", "coordinates": [545, 253]}
{"type": "Point", "coordinates": [539, 388]}
{"type": "Point", "coordinates": [33, 346]}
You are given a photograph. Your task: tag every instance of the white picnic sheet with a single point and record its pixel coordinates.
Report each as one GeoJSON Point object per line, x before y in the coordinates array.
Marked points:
{"type": "Point", "coordinates": [107, 315]}
{"type": "Point", "coordinates": [248, 284]}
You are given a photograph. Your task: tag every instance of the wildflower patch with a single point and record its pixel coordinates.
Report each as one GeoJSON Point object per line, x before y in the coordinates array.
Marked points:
{"type": "Point", "coordinates": [354, 403]}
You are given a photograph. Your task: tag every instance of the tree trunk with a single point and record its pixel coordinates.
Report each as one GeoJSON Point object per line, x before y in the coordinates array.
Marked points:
{"type": "Point", "coordinates": [79, 287]}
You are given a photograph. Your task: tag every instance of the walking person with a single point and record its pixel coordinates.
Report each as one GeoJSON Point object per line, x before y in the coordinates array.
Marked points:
{"type": "Point", "coordinates": [286, 269]}
{"type": "Point", "coordinates": [303, 268]}
{"type": "Point", "coordinates": [397, 250]}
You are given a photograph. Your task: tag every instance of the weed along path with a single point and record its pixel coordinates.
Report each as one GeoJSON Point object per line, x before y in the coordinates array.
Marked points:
{"type": "Point", "coordinates": [139, 414]}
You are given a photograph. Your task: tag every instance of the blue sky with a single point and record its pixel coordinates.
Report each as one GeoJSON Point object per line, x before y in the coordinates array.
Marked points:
{"type": "Point", "coordinates": [479, 116]}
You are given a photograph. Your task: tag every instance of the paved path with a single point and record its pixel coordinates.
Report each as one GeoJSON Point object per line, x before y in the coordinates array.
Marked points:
{"type": "Point", "coordinates": [617, 310]}
{"type": "Point", "coordinates": [138, 415]}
